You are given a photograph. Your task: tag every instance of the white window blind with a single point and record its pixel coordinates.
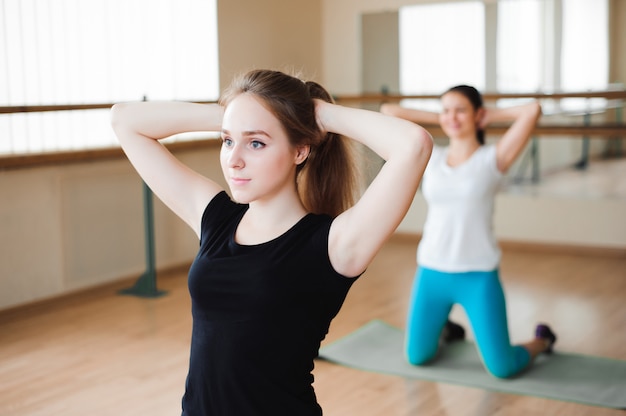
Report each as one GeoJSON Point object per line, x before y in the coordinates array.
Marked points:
{"type": "Point", "coordinates": [57, 52]}
{"type": "Point", "coordinates": [581, 55]}
{"type": "Point", "coordinates": [585, 54]}
{"type": "Point", "coordinates": [441, 45]}
{"type": "Point", "coordinates": [519, 46]}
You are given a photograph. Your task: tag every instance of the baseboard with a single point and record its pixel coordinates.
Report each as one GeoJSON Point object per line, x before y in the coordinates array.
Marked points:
{"type": "Point", "coordinates": [552, 248]}
{"type": "Point", "coordinates": [570, 249]}
{"type": "Point", "coordinates": [38, 306]}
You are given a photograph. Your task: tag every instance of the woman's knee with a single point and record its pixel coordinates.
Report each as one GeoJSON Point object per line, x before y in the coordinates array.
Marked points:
{"type": "Point", "coordinates": [414, 359]}
{"type": "Point", "coordinates": [510, 366]}
{"type": "Point", "coordinates": [419, 356]}
{"type": "Point", "coordinates": [501, 371]}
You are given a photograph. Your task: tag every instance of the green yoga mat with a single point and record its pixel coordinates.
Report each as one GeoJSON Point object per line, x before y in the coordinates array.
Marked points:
{"type": "Point", "coordinates": [589, 380]}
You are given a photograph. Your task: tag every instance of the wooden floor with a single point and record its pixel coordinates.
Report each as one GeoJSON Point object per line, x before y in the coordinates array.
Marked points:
{"type": "Point", "coordinates": [100, 353]}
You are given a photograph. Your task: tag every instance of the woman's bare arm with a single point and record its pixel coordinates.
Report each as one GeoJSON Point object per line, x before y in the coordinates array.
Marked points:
{"type": "Point", "coordinates": [358, 233]}
{"type": "Point", "coordinates": [414, 115]}
{"type": "Point", "coordinates": [512, 143]}
{"type": "Point", "coordinates": [140, 125]}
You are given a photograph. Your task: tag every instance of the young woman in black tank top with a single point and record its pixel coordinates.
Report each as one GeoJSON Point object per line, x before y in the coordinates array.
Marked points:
{"type": "Point", "coordinates": [280, 251]}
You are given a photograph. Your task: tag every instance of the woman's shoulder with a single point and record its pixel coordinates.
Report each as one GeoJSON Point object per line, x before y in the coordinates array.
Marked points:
{"type": "Point", "coordinates": [220, 210]}
{"type": "Point", "coordinates": [222, 202]}
{"type": "Point", "coordinates": [486, 156]}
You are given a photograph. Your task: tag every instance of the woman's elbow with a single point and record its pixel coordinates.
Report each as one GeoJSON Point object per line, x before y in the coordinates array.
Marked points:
{"type": "Point", "coordinates": [536, 109]}
{"type": "Point", "coordinates": [117, 114]}
{"type": "Point", "coordinates": [388, 109]}
{"type": "Point", "coordinates": [120, 119]}
{"type": "Point", "coordinates": [422, 142]}
{"type": "Point", "coordinates": [416, 150]}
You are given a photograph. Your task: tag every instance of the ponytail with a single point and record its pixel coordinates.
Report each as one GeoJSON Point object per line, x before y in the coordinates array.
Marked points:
{"type": "Point", "coordinates": [327, 183]}
{"type": "Point", "coordinates": [480, 135]}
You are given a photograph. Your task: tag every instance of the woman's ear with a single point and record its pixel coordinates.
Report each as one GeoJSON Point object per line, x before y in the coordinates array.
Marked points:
{"type": "Point", "coordinates": [302, 153]}
{"type": "Point", "coordinates": [481, 118]}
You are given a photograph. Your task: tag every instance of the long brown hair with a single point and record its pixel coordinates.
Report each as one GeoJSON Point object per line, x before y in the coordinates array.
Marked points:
{"type": "Point", "coordinates": [327, 181]}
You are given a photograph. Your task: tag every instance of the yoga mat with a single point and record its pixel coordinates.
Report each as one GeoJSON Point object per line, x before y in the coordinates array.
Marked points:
{"type": "Point", "coordinates": [585, 379]}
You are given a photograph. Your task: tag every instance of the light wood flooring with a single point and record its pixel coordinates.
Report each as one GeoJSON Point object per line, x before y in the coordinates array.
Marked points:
{"type": "Point", "coordinates": [99, 353]}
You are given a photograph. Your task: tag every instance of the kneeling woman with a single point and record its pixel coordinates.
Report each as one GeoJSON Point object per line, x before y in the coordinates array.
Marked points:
{"type": "Point", "coordinates": [458, 255]}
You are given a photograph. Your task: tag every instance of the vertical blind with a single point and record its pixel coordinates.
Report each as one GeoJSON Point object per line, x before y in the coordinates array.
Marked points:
{"type": "Point", "coordinates": [57, 52]}
{"type": "Point", "coordinates": [443, 44]}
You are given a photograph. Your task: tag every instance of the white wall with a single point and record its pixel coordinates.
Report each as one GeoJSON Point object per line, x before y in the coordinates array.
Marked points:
{"type": "Point", "coordinates": [551, 220]}
{"type": "Point", "coordinates": [275, 34]}
{"type": "Point", "coordinates": [70, 227]}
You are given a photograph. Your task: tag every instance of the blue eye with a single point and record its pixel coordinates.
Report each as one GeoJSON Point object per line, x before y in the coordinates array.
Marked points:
{"type": "Point", "coordinates": [228, 142]}
{"type": "Point", "coordinates": [257, 144]}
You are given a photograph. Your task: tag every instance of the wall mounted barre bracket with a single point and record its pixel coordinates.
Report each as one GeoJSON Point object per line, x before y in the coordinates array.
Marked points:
{"type": "Point", "coordinates": [146, 285]}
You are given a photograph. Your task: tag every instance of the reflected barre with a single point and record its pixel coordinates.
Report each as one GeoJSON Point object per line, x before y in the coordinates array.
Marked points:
{"type": "Point", "coordinates": [581, 126]}
{"type": "Point", "coordinates": [600, 130]}
{"type": "Point", "coordinates": [611, 94]}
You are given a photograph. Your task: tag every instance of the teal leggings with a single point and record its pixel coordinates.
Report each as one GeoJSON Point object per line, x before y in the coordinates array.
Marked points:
{"type": "Point", "coordinates": [481, 296]}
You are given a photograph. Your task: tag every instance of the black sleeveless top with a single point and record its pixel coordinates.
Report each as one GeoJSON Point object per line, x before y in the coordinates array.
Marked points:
{"type": "Point", "coordinates": [259, 315]}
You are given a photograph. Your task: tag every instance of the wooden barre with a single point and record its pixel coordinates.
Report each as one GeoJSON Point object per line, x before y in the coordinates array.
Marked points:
{"type": "Point", "coordinates": [604, 130]}
{"type": "Point", "coordinates": [489, 96]}
{"type": "Point", "coordinates": [360, 98]}
{"type": "Point", "coordinates": [28, 160]}
{"type": "Point", "coordinates": [13, 109]}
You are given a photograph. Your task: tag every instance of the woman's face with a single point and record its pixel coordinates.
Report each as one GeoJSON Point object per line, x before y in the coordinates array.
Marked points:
{"type": "Point", "coordinates": [458, 118]}
{"type": "Point", "coordinates": [257, 158]}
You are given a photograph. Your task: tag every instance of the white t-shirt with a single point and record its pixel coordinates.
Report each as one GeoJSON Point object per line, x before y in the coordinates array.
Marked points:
{"type": "Point", "coordinates": [458, 232]}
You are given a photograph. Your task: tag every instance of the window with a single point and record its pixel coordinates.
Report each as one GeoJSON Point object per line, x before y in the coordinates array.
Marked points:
{"type": "Point", "coordinates": [519, 46]}
{"type": "Point", "coordinates": [100, 51]}
{"type": "Point", "coordinates": [542, 48]}
{"type": "Point", "coordinates": [441, 45]}
{"type": "Point", "coordinates": [585, 53]}
{"type": "Point", "coordinates": [539, 47]}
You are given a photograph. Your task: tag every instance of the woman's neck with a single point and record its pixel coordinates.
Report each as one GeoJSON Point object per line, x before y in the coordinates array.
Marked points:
{"type": "Point", "coordinates": [461, 150]}
{"type": "Point", "coordinates": [266, 220]}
